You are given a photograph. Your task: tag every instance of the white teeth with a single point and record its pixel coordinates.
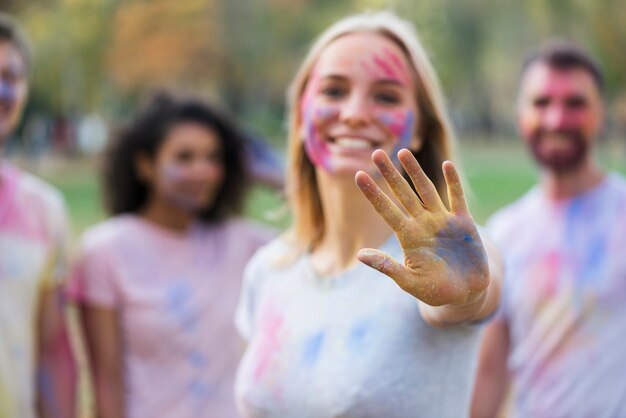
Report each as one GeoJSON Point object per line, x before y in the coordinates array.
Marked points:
{"type": "Point", "coordinates": [354, 143]}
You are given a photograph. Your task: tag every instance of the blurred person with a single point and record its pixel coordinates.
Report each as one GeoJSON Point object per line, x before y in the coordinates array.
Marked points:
{"type": "Point", "coordinates": [328, 336]}
{"type": "Point", "coordinates": [560, 331]}
{"type": "Point", "coordinates": [37, 369]}
{"type": "Point", "coordinates": [157, 283]}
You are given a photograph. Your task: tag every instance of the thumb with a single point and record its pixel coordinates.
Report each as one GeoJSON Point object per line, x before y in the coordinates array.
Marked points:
{"type": "Point", "coordinates": [384, 263]}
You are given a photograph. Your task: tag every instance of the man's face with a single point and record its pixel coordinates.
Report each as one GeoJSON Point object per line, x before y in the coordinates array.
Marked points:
{"type": "Point", "coordinates": [13, 88]}
{"type": "Point", "coordinates": [559, 115]}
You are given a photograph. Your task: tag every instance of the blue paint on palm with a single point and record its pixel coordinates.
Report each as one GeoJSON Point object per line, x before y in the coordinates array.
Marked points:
{"type": "Point", "coordinates": [312, 348]}
{"type": "Point", "coordinates": [459, 249]}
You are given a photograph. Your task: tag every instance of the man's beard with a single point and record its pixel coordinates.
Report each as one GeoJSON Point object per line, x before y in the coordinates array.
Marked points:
{"type": "Point", "coordinates": [560, 161]}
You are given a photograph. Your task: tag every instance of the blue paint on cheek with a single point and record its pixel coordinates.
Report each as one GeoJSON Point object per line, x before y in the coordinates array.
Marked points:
{"type": "Point", "coordinates": [7, 92]}
{"type": "Point", "coordinates": [407, 134]}
{"type": "Point", "coordinates": [468, 238]}
{"type": "Point", "coordinates": [312, 348]}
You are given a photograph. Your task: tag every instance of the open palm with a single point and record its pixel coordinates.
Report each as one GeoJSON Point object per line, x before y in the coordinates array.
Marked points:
{"type": "Point", "coordinates": [444, 258]}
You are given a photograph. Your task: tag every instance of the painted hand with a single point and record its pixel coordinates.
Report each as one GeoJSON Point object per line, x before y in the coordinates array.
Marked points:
{"type": "Point", "coordinates": [444, 258]}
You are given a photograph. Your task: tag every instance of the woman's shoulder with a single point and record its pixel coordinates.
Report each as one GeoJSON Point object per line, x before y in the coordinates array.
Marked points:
{"type": "Point", "coordinates": [277, 254]}
{"type": "Point", "coordinates": [107, 233]}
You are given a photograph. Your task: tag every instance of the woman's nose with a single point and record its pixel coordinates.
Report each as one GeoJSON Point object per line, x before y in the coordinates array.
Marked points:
{"type": "Point", "coordinates": [355, 111]}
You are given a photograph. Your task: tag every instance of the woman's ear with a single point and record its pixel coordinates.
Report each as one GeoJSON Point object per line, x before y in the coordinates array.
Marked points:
{"type": "Point", "coordinates": [144, 167]}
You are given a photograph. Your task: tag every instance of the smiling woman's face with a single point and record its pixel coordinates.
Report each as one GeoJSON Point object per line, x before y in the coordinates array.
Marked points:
{"type": "Point", "coordinates": [360, 97]}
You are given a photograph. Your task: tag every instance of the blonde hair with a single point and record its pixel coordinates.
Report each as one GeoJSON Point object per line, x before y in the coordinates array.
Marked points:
{"type": "Point", "coordinates": [433, 122]}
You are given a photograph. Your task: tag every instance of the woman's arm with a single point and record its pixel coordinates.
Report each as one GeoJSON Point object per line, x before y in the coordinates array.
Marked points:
{"type": "Point", "coordinates": [492, 378]}
{"type": "Point", "coordinates": [103, 340]}
{"type": "Point", "coordinates": [447, 267]}
{"type": "Point", "coordinates": [56, 363]}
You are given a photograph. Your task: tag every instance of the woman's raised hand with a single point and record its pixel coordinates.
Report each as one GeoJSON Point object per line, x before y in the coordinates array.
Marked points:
{"type": "Point", "coordinates": [444, 258]}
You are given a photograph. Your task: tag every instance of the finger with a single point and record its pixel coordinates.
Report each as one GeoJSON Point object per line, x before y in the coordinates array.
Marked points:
{"type": "Point", "coordinates": [398, 185]}
{"type": "Point", "coordinates": [380, 201]}
{"type": "Point", "coordinates": [458, 205]}
{"type": "Point", "coordinates": [424, 186]}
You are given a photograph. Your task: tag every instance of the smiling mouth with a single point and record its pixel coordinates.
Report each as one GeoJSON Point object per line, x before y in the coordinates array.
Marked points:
{"type": "Point", "coordinates": [354, 143]}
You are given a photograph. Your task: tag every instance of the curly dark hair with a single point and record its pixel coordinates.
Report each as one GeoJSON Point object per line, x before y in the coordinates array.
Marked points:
{"type": "Point", "coordinates": [125, 192]}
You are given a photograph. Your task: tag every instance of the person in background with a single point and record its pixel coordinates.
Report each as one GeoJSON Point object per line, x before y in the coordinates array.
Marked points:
{"type": "Point", "coordinates": [327, 335]}
{"type": "Point", "coordinates": [559, 335]}
{"type": "Point", "coordinates": [157, 283]}
{"type": "Point", "coordinates": [37, 368]}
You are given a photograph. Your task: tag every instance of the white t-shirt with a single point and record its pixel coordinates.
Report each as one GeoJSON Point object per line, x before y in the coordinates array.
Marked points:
{"type": "Point", "coordinates": [33, 251]}
{"type": "Point", "coordinates": [176, 296]}
{"type": "Point", "coordinates": [564, 301]}
{"type": "Point", "coordinates": [354, 345]}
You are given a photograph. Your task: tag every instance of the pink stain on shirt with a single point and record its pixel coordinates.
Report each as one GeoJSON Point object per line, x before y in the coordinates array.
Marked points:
{"type": "Point", "coordinates": [271, 324]}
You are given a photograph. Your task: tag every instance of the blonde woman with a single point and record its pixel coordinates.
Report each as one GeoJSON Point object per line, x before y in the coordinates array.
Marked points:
{"type": "Point", "coordinates": [327, 335]}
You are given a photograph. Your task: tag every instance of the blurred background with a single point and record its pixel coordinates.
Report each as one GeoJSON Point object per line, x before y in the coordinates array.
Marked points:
{"type": "Point", "coordinates": [95, 60]}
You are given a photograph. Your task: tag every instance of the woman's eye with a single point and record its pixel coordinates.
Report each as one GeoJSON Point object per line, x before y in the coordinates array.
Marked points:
{"type": "Point", "coordinates": [387, 98]}
{"type": "Point", "coordinates": [333, 92]}
{"type": "Point", "coordinates": [184, 156]}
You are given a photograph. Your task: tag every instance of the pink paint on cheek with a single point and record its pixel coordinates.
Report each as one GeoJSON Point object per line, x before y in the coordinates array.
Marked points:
{"type": "Point", "coordinates": [270, 343]}
{"type": "Point", "coordinates": [401, 124]}
{"type": "Point", "coordinates": [315, 147]}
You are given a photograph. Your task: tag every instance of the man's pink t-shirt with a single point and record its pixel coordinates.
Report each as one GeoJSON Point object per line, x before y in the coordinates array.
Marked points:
{"type": "Point", "coordinates": [176, 295]}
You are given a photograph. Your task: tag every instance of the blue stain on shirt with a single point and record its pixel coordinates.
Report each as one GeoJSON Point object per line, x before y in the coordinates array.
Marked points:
{"type": "Point", "coordinates": [356, 338]}
{"type": "Point", "coordinates": [312, 348]}
{"type": "Point", "coordinates": [197, 359]}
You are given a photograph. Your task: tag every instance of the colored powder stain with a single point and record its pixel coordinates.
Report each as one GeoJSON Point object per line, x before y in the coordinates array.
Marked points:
{"type": "Point", "coordinates": [406, 135]}
{"type": "Point", "coordinates": [468, 238]}
{"type": "Point", "coordinates": [358, 333]}
{"type": "Point", "coordinates": [574, 216]}
{"type": "Point", "coordinates": [197, 359]}
{"type": "Point", "coordinates": [315, 148]}
{"type": "Point", "coordinates": [312, 348]}
{"type": "Point", "coordinates": [270, 341]}
{"type": "Point", "coordinates": [594, 261]}
{"type": "Point", "coordinates": [386, 68]}
{"type": "Point", "coordinates": [200, 389]}
{"type": "Point", "coordinates": [45, 384]}
{"type": "Point", "coordinates": [176, 295]}
{"type": "Point", "coordinates": [460, 254]}
{"type": "Point", "coordinates": [395, 59]}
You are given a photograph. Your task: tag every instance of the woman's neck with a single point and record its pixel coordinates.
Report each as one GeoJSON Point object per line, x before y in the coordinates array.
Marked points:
{"type": "Point", "coordinates": [166, 215]}
{"type": "Point", "coordinates": [350, 224]}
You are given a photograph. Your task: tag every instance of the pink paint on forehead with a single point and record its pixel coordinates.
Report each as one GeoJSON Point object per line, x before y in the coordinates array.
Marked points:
{"type": "Point", "coordinates": [397, 61]}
